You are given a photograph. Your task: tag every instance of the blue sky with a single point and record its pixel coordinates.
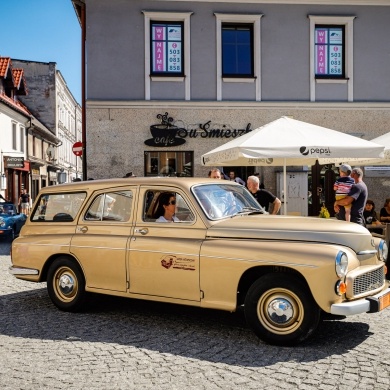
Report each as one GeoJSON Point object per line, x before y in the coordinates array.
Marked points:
{"type": "Point", "coordinates": [44, 31]}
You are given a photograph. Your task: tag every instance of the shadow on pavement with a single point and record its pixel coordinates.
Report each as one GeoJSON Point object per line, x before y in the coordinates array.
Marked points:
{"type": "Point", "coordinates": [203, 334]}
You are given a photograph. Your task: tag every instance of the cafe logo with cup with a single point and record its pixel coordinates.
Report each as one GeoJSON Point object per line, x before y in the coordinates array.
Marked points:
{"type": "Point", "coordinates": [169, 133]}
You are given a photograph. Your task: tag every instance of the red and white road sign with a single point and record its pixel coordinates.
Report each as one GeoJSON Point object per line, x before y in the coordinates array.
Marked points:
{"type": "Point", "coordinates": [77, 148]}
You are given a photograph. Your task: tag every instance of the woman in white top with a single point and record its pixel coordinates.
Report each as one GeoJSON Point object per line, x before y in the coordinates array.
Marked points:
{"type": "Point", "coordinates": [166, 208]}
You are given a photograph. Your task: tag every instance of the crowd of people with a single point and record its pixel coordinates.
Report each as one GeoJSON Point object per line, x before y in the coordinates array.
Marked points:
{"type": "Point", "coordinates": [351, 197]}
{"type": "Point", "coordinates": [352, 203]}
{"type": "Point", "coordinates": [265, 198]}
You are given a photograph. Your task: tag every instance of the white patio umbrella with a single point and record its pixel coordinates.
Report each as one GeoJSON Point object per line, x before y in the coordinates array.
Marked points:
{"type": "Point", "coordinates": [287, 141]}
{"type": "Point", "coordinates": [381, 140]}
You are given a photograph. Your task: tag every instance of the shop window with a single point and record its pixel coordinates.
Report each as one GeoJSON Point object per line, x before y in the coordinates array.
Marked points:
{"type": "Point", "coordinates": [331, 51]}
{"type": "Point", "coordinates": [169, 164]}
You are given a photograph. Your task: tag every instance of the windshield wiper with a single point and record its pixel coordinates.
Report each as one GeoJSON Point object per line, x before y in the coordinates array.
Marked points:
{"type": "Point", "coordinates": [250, 211]}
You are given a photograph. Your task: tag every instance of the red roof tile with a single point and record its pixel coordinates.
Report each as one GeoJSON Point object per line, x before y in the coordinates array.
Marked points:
{"type": "Point", "coordinates": [5, 63]}
{"type": "Point", "coordinates": [19, 80]}
{"type": "Point", "coordinates": [18, 76]}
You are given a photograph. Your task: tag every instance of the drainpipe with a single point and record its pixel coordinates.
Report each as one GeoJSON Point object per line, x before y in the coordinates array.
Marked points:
{"type": "Point", "coordinates": [82, 18]}
{"type": "Point", "coordinates": [83, 95]}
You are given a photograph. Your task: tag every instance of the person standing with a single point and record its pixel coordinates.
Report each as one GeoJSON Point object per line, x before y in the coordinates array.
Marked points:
{"type": "Point", "coordinates": [357, 197]}
{"type": "Point", "coordinates": [24, 202]}
{"type": "Point", "coordinates": [263, 197]}
{"type": "Point", "coordinates": [343, 185]}
{"type": "Point", "coordinates": [233, 177]}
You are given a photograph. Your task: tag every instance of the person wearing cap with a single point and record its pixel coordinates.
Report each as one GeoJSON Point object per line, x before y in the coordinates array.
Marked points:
{"type": "Point", "coordinates": [357, 197]}
{"type": "Point", "coordinates": [343, 186]}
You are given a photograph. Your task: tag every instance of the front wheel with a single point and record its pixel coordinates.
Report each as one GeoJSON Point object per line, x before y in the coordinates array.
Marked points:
{"type": "Point", "coordinates": [281, 310]}
{"type": "Point", "coordinates": [66, 284]}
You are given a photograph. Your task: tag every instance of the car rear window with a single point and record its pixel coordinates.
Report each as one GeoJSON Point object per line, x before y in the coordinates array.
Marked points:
{"type": "Point", "coordinates": [58, 207]}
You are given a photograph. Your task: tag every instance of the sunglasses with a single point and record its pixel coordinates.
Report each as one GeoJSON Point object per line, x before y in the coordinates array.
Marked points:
{"type": "Point", "coordinates": [172, 202]}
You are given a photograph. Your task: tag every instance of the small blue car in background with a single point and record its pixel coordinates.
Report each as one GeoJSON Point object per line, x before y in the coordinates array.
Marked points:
{"type": "Point", "coordinates": [11, 221]}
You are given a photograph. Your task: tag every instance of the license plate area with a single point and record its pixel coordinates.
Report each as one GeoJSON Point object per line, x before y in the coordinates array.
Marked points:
{"type": "Point", "coordinates": [380, 301]}
{"type": "Point", "coordinates": [384, 301]}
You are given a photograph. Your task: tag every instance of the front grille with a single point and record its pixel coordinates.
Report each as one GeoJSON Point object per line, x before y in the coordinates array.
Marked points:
{"type": "Point", "coordinates": [368, 282]}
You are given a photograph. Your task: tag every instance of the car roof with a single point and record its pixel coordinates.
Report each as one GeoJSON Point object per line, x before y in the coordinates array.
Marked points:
{"type": "Point", "coordinates": [92, 185]}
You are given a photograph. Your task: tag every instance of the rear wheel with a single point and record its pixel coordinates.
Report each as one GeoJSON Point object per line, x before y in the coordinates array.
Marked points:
{"type": "Point", "coordinates": [281, 310]}
{"type": "Point", "coordinates": [66, 284]}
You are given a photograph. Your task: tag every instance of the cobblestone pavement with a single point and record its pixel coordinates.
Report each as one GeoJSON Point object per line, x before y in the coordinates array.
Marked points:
{"type": "Point", "coordinates": [131, 344]}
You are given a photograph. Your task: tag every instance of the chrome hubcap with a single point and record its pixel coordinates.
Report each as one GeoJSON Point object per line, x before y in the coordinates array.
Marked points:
{"type": "Point", "coordinates": [66, 284]}
{"type": "Point", "coordinates": [280, 311]}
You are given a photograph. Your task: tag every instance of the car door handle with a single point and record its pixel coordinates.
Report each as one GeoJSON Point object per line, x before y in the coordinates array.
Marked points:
{"type": "Point", "coordinates": [142, 231]}
{"type": "Point", "coordinates": [83, 229]}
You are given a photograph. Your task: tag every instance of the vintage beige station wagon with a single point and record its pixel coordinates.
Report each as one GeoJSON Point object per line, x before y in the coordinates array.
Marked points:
{"type": "Point", "coordinates": [218, 250]}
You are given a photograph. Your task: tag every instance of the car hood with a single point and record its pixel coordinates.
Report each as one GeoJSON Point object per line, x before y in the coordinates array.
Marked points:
{"type": "Point", "coordinates": [308, 229]}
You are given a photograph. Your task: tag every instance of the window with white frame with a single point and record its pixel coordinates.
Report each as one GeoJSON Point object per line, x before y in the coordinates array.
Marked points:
{"type": "Point", "coordinates": [238, 50]}
{"type": "Point", "coordinates": [167, 49]}
{"type": "Point", "coordinates": [22, 137]}
{"type": "Point", "coordinates": [331, 51]}
{"type": "Point", "coordinates": [14, 137]}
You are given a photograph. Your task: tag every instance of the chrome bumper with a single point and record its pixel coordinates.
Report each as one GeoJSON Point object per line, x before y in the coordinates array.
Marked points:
{"type": "Point", "coordinates": [370, 304]}
{"type": "Point", "coordinates": [22, 271]}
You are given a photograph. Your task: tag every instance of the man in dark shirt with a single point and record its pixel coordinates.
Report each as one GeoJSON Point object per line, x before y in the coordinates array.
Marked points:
{"type": "Point", "coordinates": [263, 197]}
{"type": "Point", "coordinates": [357, 197]}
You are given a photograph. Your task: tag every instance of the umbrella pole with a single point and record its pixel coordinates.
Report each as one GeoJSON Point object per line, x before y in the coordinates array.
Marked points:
{"type": "Point", "coordinates": [285, 187]}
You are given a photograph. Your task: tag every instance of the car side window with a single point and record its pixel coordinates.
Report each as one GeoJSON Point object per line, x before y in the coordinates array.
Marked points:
{"type": "Point", "coordinates": [58, 207]}
{"type": "Point", "coordinates": [110, 206]}
{"type": "Point", "coordinates": [154, 206]}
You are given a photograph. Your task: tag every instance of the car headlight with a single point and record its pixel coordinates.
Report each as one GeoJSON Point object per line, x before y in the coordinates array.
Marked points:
{"type": "Point", "coordinates": [383, 250]}
{"type": "Point", "coordinates": [2, 222]}
{"type": "Point", "coordinates": [341, 264]}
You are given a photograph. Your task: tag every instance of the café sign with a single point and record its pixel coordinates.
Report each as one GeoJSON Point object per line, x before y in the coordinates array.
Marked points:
{"type": "Point", "coordinates": [14, 162]}
{"type": "Point", "coordinates": [169, 133]}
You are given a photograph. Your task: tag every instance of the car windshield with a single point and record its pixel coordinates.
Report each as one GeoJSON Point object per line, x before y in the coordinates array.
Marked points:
{"type": "Point", "coordinates": [7, 209]}
{"type": "Point", "coordinates": [225, 200]}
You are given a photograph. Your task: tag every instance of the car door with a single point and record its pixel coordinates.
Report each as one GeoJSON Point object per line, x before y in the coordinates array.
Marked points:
{"type": "Point", "coordinates": [164, 257]}
{"type": "Point", "coordinates": [102, 237]}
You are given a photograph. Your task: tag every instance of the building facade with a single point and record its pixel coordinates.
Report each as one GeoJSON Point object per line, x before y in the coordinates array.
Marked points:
{"type": "Point", "coordinates": [51, 102]}
{"type": "Point", "coordinates": [32, 155]}
{"type": "Point", "coordinates": [167, 81]}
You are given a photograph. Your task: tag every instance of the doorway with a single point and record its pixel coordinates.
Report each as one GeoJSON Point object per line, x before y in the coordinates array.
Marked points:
{"type": "Point", "coordinates": [321, 180]}
{"type": "Point", "coordinates": [241, 172]}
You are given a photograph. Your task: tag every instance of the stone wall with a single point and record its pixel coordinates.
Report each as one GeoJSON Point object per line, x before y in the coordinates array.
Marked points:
{"type": "Point", "coordinates": [116, 132]}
